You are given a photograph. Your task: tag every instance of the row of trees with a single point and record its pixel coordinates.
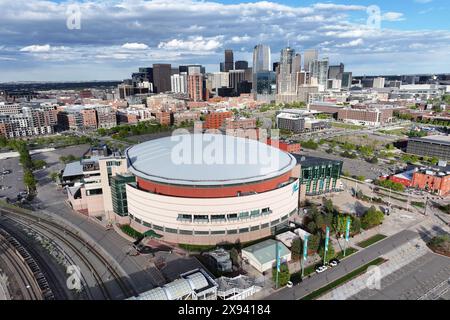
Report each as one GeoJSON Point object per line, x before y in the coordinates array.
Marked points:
{"type": "Point", "coordinates": [389, 184]}
{"type": "Point", "coordinates": [27, 164]}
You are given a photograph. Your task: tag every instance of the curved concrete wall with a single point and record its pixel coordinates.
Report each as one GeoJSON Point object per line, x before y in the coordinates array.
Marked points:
{"type": "Point", "coordinates": [154, 211]}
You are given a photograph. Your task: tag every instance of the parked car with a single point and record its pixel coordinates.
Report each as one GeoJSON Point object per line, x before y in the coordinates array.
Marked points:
{"type": "Point", "coordinates": [334, 262]}
{"type": "Point", "coordinates": [321, 269]}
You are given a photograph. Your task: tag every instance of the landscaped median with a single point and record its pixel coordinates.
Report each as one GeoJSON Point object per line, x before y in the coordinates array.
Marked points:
{"type": "Point", "coordinates": [343, 279]}
{"type": "Point", "coordinates": [371, 240]}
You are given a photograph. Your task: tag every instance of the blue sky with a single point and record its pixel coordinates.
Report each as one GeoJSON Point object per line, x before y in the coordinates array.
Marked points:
{"type": "Point", "coordinates": [118, 36]}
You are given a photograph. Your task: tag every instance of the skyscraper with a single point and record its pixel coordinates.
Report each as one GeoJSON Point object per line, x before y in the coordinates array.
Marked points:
{"type": "Point", "coordinates": [284, 76]}
{"type": "Point", "coordinates": [347, 80]}
{"type": "Point", "coordinates": [261, 58]}
{"type": "Point", "coordinates": [336, 72]}
{"type": "Point", "coordinates": [179, 82]}
{"type": "Point", "coordinates": [262, 64]}
{"type": "Point", "coordinates": [161, 77]}
{"type": "Point", "coordinates": [235, 77]}
{"type": "Point", "coordinates": [229, 60]}
{"type": "Point", "coordinates": [240, 65]}
{"type": "Point", "coordinates": [319, 71]}
{"type": "Point", "coordinates": [310, 55]}
{"type": "Point", "coordinates": [195, 86]}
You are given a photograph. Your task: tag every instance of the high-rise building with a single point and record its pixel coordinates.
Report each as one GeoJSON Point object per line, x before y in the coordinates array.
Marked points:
{"type": "Point", "coordinates": [148, 71]}
{"type": "Point", "coordinates": [347, 80]}
{"type": "Point", "coordinates": [262, 76]}
{"type": "Point", "coordinates": [229, 60]}
{"type": "Point", "coordinates": [378, 83]}
{"type": "Point", "coordinates": [261, 58]}
{"type": "Point", "coordinates": [235, 77]}
{"type": "Point", "coordinates": [179, 82]}
{"type": "Point", "coordinates": [336, 72]}
{"type": "Point", "coordinates": [195, 87]}
{"type": "Point", "coordinates": [196, 69]}
{"type": "Point", "coordinates": [319, 71]}
{"type": "Point", "coordinates": [284, 75]}
{"type": "Point", "coordinates": [219, 80]}
{"type": "Point", "coordinates": [297, 63]}
{"type": "Point", "coordinates": [161, 77]}
{"type": "Point", "coordinates": [222, 67]}
{"type": "Point", "coordinates": [309, 56]}
{"type": "Point", "coordinates": [241, 65]}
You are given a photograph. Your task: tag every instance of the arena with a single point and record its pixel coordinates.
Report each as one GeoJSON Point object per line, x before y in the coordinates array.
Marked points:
{"type": "Point", "coordinates": [210, 188]}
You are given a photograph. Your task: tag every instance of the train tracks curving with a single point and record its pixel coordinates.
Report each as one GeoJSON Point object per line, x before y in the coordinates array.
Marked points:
{"type": "Point", "coordinates": [69, 237]}
{"type": "Point", "coordinates": [27, 274]}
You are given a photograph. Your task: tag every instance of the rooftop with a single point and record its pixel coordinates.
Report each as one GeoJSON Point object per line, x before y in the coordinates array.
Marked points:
{"type": "Point", "coordinates": [208, 159]}
{"type": "Point", "coordinates": [434, 139]}
{"type": "Point", "coordinates": [307, 161]}
{"type": "Point", "coordinates": [265, 251]}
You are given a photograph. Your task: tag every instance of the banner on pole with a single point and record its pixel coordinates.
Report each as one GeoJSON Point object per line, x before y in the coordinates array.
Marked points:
{"type": "Point", "coordinates": [327, 237]}
{"type": "Point", "coordinates": [305, 248]}
{"type": "Point", "coordinates": [347, 229]}
{"type": "Point", "coordinates": [278, 257]}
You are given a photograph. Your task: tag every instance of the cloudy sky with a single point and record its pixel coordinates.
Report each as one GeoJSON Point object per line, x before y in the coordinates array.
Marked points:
{"type": "Point", "coordinates": [117, 36]}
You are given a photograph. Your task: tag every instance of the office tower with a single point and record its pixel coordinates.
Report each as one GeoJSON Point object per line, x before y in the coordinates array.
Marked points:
{"type": "Point", "coordinates": [297, 63]}
{"type": "Point", "coordinates": [336, 72]}
{"type": "Point", "coordinates": [284, 76]}
{"type": "Point", "coordinates": [275, 66]}
{"type": "Point", "coordinates": [229, 60]}
{"type": "Point", "coordinates": [148, 71]}
{"type": "Point", "coordinates": [183, 69]}
{"type": "Point", "coordinates": [310, 56]}
{"type": "Point", "coordinates": [196, 69]}
{"type": "Point", "coordinates": [261, 58]}
{"type": "Point", "coordinates": [235, 77]}
{"type": "Point", "coordinates": [249, 75]}
{"type": "Point", "coordinates": [241, 65]}
{"type": "Point", "coordinates": [161, 77]}
{"type": "Point", "coordinates": [319, 71]}
{"type": "Point", "coordinates": [378, 83]}
{"type": "Point", "coordinates": [347, 80]}
{"type": "Point", "coordinates": [222, 67]}
{"type": "Point", "coordinates": [219, 80]}
{"type": "Point", "coordinates": [174, 71]}
{"type": "Point", "coordinates": [195, 86]}
{"type": "Point", "coordinates": [179, 82]}
{"type": "Point", "coordinates": [265, 83]}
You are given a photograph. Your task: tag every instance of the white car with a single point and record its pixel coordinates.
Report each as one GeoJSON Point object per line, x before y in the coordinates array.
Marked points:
{"type": "Point", "coordinates": [333, 263]}
{"type": "Point", "coordinates": [321, 269]}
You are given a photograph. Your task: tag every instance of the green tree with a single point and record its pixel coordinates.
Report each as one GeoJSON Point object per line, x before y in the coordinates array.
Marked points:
{"type": "Point", "coordinates": [29, 180]}
{"type": "Point", "coordinates": [54, 176]}
{"type": "Point", "coordinates": [330, 252]}
{"type": "Point", "coordinates": [372, 218]}
{"type": "Point", "coordinates": [283, 276]}
{"type": "Point", "coordinates": [296, 249]}
{"type": "Point", "coordinates": [314, 242]}
{"type": "Point", "coordinates": [39, 164]}
{"type": "Point", "coordinates": [328, 205]}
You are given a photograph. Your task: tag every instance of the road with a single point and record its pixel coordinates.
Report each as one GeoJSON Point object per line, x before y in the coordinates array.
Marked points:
{"type": "Point", "coordinates": [347, 265]}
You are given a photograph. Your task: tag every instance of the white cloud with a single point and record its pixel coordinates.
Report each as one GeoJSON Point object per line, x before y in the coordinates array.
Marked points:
{"type": "Point", "coordinates": [36, 48]}
{"type": "Point", "coordinates": [198, 43]}
{"type": "Point", "coordinates": [135, 46]}
{"type": "Point", "coordinates": [238, 39]}
{"type": "Point", "coordinates": [353, 43]}
{"type": "Point", "coordinates": [392, 16]}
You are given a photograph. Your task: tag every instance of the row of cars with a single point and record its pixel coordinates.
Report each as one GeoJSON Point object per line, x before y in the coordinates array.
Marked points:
{"type": "Point", "coordinates": [332, 263]}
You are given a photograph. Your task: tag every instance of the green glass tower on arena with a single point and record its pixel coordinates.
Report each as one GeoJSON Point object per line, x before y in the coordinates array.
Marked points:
{"type": "Point", "coordinates": [319, 175]}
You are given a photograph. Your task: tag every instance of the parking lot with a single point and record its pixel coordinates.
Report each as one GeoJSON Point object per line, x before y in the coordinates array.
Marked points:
{"type": "Point", "coordinates": [12, 183]}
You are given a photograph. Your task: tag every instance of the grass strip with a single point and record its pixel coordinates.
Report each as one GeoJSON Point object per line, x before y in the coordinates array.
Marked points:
{"type": "Point", "coordinates": [371, 240]}
{"type": "Point", "coordinates": [343, 279]}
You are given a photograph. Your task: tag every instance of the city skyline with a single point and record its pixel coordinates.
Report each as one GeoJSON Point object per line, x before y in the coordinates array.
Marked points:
{"type": "Point", "coordinates": [118, 36]}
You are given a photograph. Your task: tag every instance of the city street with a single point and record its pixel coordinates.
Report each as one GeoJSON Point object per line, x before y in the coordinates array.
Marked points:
{"type": "Point", "coordinates": [317, 281]}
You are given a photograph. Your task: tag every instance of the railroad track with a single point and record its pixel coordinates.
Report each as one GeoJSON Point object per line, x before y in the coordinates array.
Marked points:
{"type": "Point", "coordinates": [32, 288]}
{"type": "Point", "coordinates": [61, 233]}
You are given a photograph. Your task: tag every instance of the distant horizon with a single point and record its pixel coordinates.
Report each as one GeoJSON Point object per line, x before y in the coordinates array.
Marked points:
{"type": "Point", "coordinates": [121, 80]}
{"type": "Point", "coordinates": [64, 40]}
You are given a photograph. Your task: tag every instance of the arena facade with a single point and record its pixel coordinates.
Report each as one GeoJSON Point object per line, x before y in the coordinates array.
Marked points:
{"type": "Point", "coordinates": [210, 188]}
